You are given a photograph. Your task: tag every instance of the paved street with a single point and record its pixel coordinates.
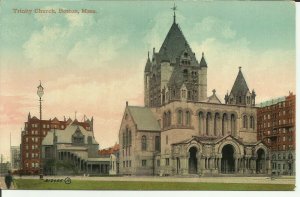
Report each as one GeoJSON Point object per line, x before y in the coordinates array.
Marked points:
{"type": "Point", "coordinates": [259, 180]}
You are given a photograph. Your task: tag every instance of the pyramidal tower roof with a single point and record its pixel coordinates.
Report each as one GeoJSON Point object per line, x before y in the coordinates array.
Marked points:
{"type": "Point", "coordinates": [240, 86]}
{"type": "Point", "coordinates": [148, 64]}
{"type": "Point", "coordinates": [175, 44]}
{"type": "Point", "coordinates": [203, 62]}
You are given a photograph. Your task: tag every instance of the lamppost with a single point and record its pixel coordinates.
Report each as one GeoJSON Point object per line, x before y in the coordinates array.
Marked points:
{"type": "Point", "coordinates": [40, 93]}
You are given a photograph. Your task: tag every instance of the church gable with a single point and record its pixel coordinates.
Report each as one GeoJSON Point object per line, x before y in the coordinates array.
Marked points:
{"type": "Point", "coordinates": [213, 98]}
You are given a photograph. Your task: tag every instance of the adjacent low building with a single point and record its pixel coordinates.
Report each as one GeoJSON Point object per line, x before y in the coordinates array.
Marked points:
{"type": "Point", "coordinates": [34, 132]}
{"type": "Point", "coordinates": [113, 154]}
{"type": "Point", "coordinates": [72, 150]}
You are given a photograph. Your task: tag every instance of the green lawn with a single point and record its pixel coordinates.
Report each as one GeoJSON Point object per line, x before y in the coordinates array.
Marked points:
{"type": "Point", "coordinates": [133, 185]}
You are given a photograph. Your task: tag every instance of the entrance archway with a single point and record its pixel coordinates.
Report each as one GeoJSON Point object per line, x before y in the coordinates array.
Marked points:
{"type": "Point", "coordinates": [260, 161]}
{"type": "Point", "coordinates": [227, 162]}
{"type": "Point", "coordinates": [193, 160]}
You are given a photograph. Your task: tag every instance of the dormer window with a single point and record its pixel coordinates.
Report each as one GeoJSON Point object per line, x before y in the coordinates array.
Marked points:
{"type": "Point", "coordinates": [185, 54]}
{"type": "Point", "coordinates": [78, 137]}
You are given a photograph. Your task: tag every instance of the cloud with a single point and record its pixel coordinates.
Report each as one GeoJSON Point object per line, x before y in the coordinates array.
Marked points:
{"type": "Point", "coordinates": [212, 26]}
{"type": "Point", "coordinates": [273, 68]}
{"type": "Point", "coordinates": [159, 27]}
{"type": "Point", "coordinates": [82, 38]}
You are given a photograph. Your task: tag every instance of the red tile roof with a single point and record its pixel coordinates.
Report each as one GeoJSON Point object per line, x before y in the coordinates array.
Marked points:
{"type": "Point", "coordinates": [110, 150]}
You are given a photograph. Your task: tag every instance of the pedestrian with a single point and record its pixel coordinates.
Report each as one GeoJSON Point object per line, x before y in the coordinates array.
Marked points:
{"type": "Point", "coordinates": [8, 179]}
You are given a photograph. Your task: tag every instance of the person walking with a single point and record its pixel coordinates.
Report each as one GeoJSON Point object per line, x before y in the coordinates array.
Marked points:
{"type": "Point", "coordinates": [8, 179]}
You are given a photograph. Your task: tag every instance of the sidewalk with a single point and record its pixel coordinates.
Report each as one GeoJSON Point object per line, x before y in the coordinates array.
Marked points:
{"type": "Point", "coordinates": [2, 184]}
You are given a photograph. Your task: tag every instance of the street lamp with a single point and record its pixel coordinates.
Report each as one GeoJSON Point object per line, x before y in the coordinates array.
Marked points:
{"type": "Point", "coordinates": [40, 93]}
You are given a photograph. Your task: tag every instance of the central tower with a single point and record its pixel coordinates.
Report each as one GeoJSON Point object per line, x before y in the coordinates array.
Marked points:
{"type": "Point", "coordinates": [173, 73]}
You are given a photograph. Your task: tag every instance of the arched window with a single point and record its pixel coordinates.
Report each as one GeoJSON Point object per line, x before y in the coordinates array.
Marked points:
{"type": "Point", "coordinates": [127, 137]}
{"type": "Point", "coordinates": [208, 120]}
{"type": "Point", "coordinates": [187, 118]}
{"type": "Point", "coordinates": [167, 139]}
{"type": "Point", "coordinates": [179, 117]}
{"type": "Point", "coordinates": [185, 74]}
{"type": "Point", "coordinates": [124, 139]}
{"type": "Point", "coordinates": [144, 142]}
{"type": "Point", "coordinates": [251, 122]}
{"type": "Point", "coordinates": [224, 124]}
{"type": "Point", "coordinates": [169, 118]}
{"type": "Point", "coordinates": [189, 95]}
{"type": "Point", "coordinates": [130, 139]}
{"type": "Point", "coordinates": [157, 143]}
{"type": "Point", "coordinates": [245, 122]}
{"type": "Point", "coordinates": [232, 124]}
{"type": "Point", "coordinates": [165, 120]}
{"type": "Point", "coordinates": [200, 119]}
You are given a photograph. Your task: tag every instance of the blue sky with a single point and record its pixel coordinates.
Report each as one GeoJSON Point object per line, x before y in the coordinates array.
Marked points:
{"type": "Point", "coordinates": [93, 63]}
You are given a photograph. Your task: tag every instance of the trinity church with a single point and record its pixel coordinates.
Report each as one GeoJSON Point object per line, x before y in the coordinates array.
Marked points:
{"type": "Point", "coordinates": [181, 130]}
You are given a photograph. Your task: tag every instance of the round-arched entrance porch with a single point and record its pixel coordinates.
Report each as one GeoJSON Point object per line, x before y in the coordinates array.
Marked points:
{"type": "Point", "coordinates": [228, 160]}
{"type": "Point", "coordinates": [193, 160]}
{"type": "Point", "coordinates": [260, 161]}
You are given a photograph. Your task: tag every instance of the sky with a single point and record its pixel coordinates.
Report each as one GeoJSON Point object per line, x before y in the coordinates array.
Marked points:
{"type": "Point", "coordinates": [94, 63]}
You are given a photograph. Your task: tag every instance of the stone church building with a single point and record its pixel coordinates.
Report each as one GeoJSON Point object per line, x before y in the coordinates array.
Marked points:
{"type": "Point", "coordinates": [181, 130]}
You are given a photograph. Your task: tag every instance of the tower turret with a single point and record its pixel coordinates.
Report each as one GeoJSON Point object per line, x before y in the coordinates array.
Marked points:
{"type": "Point", "coordinates": [146, 81]}
{"type": "Point", "coordinates": [240, 94]}
{"type": "Point", "coordinates": [202, 79]}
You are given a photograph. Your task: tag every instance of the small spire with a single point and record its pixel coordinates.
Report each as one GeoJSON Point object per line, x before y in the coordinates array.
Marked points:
{"type": "Point", "coordinates": [174, 8]}
{"type": "Point", "coordinates": [202, 61]}
{"type": "Point", "coordinates": [214, 91]}
{"type": "Point", "coordinates": [148, 55]}
{"type": "Point", "coordinates": [240, 68]}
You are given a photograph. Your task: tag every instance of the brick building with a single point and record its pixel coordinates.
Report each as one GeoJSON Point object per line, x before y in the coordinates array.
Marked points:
{"type": "Point", "coordinates": [113, 154]}
{"type": "Point", "coordinates": [276, 128]}
{"type": "Point", "coordinates": [34, 132]}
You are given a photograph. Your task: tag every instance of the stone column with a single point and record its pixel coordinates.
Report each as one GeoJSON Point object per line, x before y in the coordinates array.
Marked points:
{"type": "Point", "coordinates": [199, 165]}
{"type": "Point", "coordinates": [79, 165]}
{"type": "Point", "coordinates": [204, 125]}
{"type": "Point", "coordinates": [219, 165]}
{"type": "Point", "coordinates": [236, 165]}
{"type": "Point", "coordinates": [202, 166]}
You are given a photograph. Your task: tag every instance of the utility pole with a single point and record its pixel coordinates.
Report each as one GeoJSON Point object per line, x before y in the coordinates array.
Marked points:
{"type": "Point", "coordinates": [10, 151]}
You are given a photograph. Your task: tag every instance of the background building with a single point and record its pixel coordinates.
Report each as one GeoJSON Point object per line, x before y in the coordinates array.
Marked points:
{"type": "Point", "coordinates": [276, 125]}
{"type": "Point", "coordinates": [31, 138]}
{"type": "Point", "coordinates": [4, 166]}
{"type": "Point", "coordinates": [113, 154]}
{"type": "Point", "coordinates": [15, 157]}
